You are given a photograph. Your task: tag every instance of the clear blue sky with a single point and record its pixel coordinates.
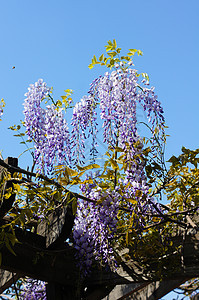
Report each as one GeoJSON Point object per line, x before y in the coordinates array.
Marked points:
{"type": "Point", "coordinates": [55, 40]}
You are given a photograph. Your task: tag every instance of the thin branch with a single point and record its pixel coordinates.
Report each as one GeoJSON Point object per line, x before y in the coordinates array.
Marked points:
{"type": "Point", "coordinates": [43, 177]}
{"type": "Point", "coordinates": [165, 221]}
{"type": "Point", "coordinates": [167, 218]}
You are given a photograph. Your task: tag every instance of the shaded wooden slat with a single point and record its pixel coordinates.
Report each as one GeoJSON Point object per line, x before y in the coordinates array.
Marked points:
{"type": "Point", "coordinates": [33, 260]}
{"type": "Point", "coordinates": [123, 290]}
{"type": "Point", "coordinates": [7, 279]}
{"type": "Point", "coordinates": [58, 226]}
{"type": "Point", "coordinates": [152, 291]}
{"type": "Point", "coordinates": [57, 264]}
{"type": "Point", "coordinates": [57, 291]}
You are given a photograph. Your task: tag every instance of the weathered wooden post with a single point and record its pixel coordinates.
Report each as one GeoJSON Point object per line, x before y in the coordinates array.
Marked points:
{"type": "Point", "coordinates": [56, 230]}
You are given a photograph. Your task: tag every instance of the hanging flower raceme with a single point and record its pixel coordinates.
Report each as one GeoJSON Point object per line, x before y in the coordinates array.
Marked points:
{"type": "Point", "coordinates": [47, 128]}
{"type": "Point", "coordinates": [137, 200]}
{"type": "Point", "coordinates": [34, 114]}
{"type": "Point", "coordinates": [95, 227]}
{"type": "Point", "coordinates": [117, 96]}
{"type": "Point", "coordinates": [119, 93]}
{"type": "Point", "coordinates": [57, 143]}
{"type": "Point", "coordinates": [84, 116]}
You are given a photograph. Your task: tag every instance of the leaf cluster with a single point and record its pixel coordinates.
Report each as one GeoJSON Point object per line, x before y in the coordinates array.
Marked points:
{"type": "Point", "coordinates": [113, 57]}
{"type": "Point", "coordinates": [183, 188]}
{"type": "Point", "coordinates": [2, 105]}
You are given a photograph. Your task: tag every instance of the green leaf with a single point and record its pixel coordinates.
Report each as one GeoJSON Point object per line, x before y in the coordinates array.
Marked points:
{"type": "Point", "coordinates": [112, 62]}
{"type": "Point", "coordinates": [74, 206]}
{"type": "Point", "coordinates": [145, 75]}
{"type": "Point", "coordinates": [95, 59]}
{"type": "Point", "coordinates": [106, 59]}
{"type": "Point", "coordinates": [101, 58]}
{"type": "Point", "coordinates": [118, 149]}
{"type": "Point", "coordinates": [133, 51]}
{"type": "Point", "coordinates": [174, 160]}
{"type": "Point", "coordinates": [114, 165]}
{"type": "Point", "coordinates": [71, 172]}
{"type": "Point", "coordinates": [139, 52]}
{"type": "Point", "coordinates": [89, 167]}
{"type": "Point", "coordinates": [112, 54]}
{"type": "Point", "coordinates": [63, 97]}
{"type": "Point", "coordinates": [114, 44]}
{"type": "Point", "coordinates": [8, 193]}
{"type": "Point", "coordinates": [13, 127]}
{"type": "Point", "coordinates": [108, 48]}
{"type": "Point", "coordinates": [12, 238]}
{"type": "Point", "coordinates": [90, 181]}
{"type": "Point", "coordinates": [9, 247]}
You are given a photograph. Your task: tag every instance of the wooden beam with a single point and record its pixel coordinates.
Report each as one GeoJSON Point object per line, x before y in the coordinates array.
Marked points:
{"type": "Point", "coordinates": [123, 290]}
{"type": "Point", "coordinates": [44, 256]}
{"type": "Point", "coordinates": [153, 291]}
{"type": "Point", "coordinates": [34, 260]}
{"type": "Point", "coordinates": [58, 226]}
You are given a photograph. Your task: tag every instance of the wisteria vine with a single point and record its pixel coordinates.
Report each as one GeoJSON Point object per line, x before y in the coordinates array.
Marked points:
{"type": "Point", "coordinates": [112, 103]}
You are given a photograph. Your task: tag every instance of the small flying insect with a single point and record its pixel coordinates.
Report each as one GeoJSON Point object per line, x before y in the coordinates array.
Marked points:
{"type": "Point", "coordinates": [13, 67]}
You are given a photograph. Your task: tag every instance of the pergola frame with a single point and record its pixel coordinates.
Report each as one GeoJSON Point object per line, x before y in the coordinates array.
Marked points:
{"type": "Point", "coordinates": [45, 256]}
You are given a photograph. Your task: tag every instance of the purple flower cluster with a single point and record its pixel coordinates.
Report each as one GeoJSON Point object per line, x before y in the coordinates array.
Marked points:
{"type": "Point", "coordinates": [117, 94]}
{"type": "Point", "coordinates": [34, 114]}
{"type": "Point", "coordinates": [96, 224]}
{"type": "Point", "coordinates": [84, 116]}
{"type": "Point", "coordinates": [94, 230]}
{"type": "Point", "coordinates": [83, 242]}
{"type": "Point", "coordinates": [34, 290]}
{"type": "Point", "coordinates": [136, 198]}
{"type": "Point", "coordinates": [47, 128]}
{"type": "Point", "coordinates": [57, 143]}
